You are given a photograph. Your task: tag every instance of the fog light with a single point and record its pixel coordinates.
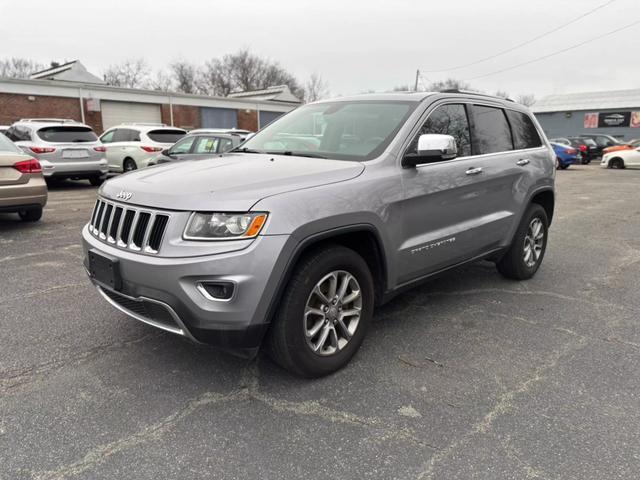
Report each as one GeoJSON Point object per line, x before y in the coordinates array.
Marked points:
{"type": "Point", "coordinates": [216, 290]}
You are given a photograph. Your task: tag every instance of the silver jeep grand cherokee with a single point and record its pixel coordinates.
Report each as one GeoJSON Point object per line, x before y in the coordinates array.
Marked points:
{"type": "Point", "coordinates": [296, 235]}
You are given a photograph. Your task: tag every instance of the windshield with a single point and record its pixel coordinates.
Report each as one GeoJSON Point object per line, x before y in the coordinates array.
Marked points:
{"type": "Point", "coordinates": [357, 130]}
{"type": "Point", "coordinates": [67, 134]}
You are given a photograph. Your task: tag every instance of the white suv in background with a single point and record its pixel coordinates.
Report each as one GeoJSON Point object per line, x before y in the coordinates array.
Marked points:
{"type": "Point", "coordinates": [132, 146]}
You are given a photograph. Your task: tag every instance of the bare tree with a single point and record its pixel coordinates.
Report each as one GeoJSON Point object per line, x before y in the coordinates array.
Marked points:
{"type": "Point", "coordinates": [316, 88]}
{"type": "Point", "coordinates": [185, 76]}
{"type": "Point", "coordinates": [449, 84]}
{"type": "Point", "coordinates": [18, 67]}
{"type": "Point", "coordinates": [216, 78]}
{"type": "Point", "coordinates": [501, 94]}
{"type": "Point", "coordinates": [244, 71]}
{"type": "Point", "coordinates": [162, 81]}
{"type": "Point", "coordinates": [132, 73]}
{"type": "Point", "coordinates": [527, 99]}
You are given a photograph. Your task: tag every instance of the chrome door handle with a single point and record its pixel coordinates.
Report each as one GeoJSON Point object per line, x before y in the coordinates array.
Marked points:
{"type": "Point", "coordinates": [474, 171]}
{"type": "Point", "coordinates": [522, 162]}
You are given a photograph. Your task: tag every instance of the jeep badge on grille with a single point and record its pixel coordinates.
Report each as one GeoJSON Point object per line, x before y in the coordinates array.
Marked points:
{"type": "Point", "coordinates": [124, 195]}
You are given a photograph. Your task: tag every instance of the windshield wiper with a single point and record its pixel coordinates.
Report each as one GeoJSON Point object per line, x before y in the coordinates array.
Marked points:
{"type": "Point", "coordinates": [245, 150]}
{"type": "Point", "coordinates": [299, 154]}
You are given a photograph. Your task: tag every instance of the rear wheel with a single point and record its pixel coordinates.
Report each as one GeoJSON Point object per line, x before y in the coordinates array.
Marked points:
{"type": "Point", "coordinates": [526, 252]}
{"type": "Point", "coordinates": [324, 313]}
{"type": "Point", "coordinates": [558, 164]}
{"type": "Point", "coordinates": [31, 215]}
{"type": "Point", "coordinates": [129, 165]}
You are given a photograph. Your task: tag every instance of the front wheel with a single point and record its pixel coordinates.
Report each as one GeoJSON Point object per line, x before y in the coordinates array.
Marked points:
{"type": "Point", "coordinates": [616, 163]}
{"type": "Point", "coordinates": [324, 313]}
{"type": "Point", "coordinates": [529, 244]}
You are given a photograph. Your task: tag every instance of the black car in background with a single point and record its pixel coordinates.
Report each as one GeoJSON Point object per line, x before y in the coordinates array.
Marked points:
{"type": "Point", "coordinates": [602, 141]}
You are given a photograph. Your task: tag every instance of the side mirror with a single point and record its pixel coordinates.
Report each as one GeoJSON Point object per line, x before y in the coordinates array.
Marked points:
{"type": "Point", "coordinates": [432, 147]}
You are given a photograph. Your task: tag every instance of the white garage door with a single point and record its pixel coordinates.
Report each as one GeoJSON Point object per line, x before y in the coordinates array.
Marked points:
{"type": "Point", "coordinates": [115, 113]}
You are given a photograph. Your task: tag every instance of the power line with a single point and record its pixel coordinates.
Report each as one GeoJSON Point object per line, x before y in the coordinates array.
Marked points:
{"type": "Point", "coordinates": [526, 42]}
{"type": "Point", "coordinates": [557, 52]}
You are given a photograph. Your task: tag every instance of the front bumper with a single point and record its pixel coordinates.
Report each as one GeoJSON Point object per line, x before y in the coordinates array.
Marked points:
{"type": "Point", "coordinates": [83, 168]}
{"type": "Point", "coordinates": [171, 284]}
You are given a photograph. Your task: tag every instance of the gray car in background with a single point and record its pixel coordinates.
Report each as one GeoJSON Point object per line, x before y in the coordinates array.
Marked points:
{"type": "Point", "coordinates": [64, 148]}
{"type": "Point", "coordinates": [200, 144]}
{"type": "Point", "coordinates": [294, 237]}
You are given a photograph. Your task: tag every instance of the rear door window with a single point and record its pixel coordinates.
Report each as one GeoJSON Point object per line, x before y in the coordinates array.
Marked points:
{"type": "Point", "coordinates": [491, 132]}
{"type": "Point", "coordinates": [126, 135]}
{"type": "Point", "coordinates": [525, 134]}
{"type": "Point", "coordinates": [166, 135]}
{"type": "Point", "coordinates": [67, 134]}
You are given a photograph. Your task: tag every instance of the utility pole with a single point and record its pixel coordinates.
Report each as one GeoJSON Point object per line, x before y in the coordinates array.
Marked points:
{"type": "Point", "coordinates": [415, 88]}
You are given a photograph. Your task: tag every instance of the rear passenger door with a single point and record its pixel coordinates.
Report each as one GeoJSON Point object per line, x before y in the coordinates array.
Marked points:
{"type": "Point", "coordinates": [457, 209]}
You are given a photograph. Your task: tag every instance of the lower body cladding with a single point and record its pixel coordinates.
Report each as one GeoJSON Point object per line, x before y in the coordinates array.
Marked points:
{"type": "Point", "coordinates": [75, 168]}
{"type": "Point", "coordinates": [223, 300]}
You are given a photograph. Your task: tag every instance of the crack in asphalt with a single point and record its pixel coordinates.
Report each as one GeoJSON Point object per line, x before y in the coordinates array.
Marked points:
{"type": "Point", "coordinates": [500, 408]}
{"type": "Point", "coordinates": [249, 389]}
{"type": "Point", "coordinates": [43, 291]}
{"type": "Point", "coordinates": [479, 291]}
{"type": "Point", "coordinates": [11, 379]}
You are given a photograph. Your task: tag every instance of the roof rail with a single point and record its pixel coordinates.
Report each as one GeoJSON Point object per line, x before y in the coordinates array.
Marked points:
{"type": "Point", "coordinates": [469, 92]}
{"type": "Point", "coordinates": [49, 120]}
{"type": "Point", "coordinates": [143, 124]}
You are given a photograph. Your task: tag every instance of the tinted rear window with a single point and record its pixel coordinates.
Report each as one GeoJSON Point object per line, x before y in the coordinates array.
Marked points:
{"type": "Point", "coordinates": [491, 130]}
{"type": "Point", "coordinates": [67, 134]}
{"type": "Point", "coordinates": [166, 136]}
{"type": "Point", "coordinates": [7, 145]}
{"type": "Point", "coordinates": [524, 131]}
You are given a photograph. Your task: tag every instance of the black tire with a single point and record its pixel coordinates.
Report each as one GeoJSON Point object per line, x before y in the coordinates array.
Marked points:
{"type": "Point", "coordinates": [558, 163]}
{"type": "Point", "coordinates": [129, 165]}
{"type": "Point", "coordinates": [31, 215]}
{"type": "Point", "coordinates": [564, 167]}
{"type": "Point", "coordinates": [616, 163]}
{"type": "Point", "coordinates": [96, 181]}
{"type": "Point", "coordinates": [286, 341]}
{"type": "Point", "coordinates": [512, 265]}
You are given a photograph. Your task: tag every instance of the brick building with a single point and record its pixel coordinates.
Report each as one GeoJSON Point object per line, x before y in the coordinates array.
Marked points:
{"type": "Point", "coordinates": [102, 106]}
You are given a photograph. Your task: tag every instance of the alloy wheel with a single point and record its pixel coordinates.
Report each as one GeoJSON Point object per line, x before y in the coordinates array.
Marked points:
{"type": "Point", "coordinates": [533, 242]}
{"type": "Point", "coordinates": [332, 313]}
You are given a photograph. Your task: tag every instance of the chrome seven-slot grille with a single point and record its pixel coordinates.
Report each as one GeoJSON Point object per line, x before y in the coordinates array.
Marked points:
{"type": "Point", "coordinates": [132, 228]}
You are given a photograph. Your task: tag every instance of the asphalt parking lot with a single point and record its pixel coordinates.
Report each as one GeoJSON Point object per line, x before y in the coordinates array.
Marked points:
{"type": "Point", "coordinates": [469, 376]}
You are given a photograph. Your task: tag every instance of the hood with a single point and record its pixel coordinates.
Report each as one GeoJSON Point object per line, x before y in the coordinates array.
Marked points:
{"type": "Point", "coordinates": [229, 183]}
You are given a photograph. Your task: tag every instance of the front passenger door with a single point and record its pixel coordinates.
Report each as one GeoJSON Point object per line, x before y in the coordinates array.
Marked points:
{"type": "Point", "coordinates": [453, 210]}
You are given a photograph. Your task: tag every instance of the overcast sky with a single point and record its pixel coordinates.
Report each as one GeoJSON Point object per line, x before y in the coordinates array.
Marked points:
{"type": "Point", "coordinates": [355, 45]}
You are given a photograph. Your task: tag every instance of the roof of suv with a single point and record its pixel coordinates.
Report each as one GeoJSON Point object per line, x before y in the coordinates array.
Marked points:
{"type": "Point", "coordinates": [145, 127]}
{"type": "Point", "coordinates": [37, 123]}
{"type": "Point", "coordinates": [216, 131]}
{"type": "Point", "coordinates": [417, 96]}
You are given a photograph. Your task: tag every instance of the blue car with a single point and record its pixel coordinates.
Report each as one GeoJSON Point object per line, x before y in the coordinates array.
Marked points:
{"type": "Point", "coordinates": [565, 155]}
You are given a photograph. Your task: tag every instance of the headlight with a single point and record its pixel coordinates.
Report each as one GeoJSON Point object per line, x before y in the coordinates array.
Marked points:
{"type": "Point", "coordinates": [224, 226]}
